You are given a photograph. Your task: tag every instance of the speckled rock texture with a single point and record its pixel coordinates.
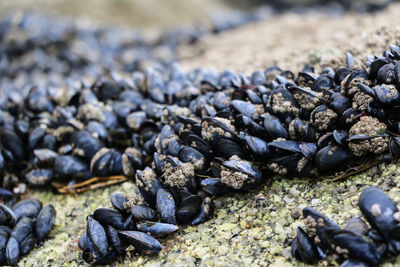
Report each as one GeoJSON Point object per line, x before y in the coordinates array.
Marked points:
{"type": "Point", "coordinates": [252, 229]}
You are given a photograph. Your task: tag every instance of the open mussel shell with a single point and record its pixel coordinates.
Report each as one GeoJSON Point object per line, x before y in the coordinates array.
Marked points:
{"type": "Point", "coordinates": [141, 242]}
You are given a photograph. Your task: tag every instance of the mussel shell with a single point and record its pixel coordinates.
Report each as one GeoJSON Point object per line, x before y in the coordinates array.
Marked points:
{"type": "Point", "coordinates": [45, 221]}
{"type": "Point", "coordinates": [27, 245]}
{"type": "Point", "coordinates": [96, 237]}
{"type": "Point", "coordinates": [117, 200]}
{"type": "Point", "coordinates": [142, 242]}
{"type": "Point", "coordinates": [331, 157]}
{"type": "Point", "coordinates": [304, 249]}
{"type": "Point", "coordinates": [356, 246]}
{"type": "Point", "coordinates": [12, 251]}
{"type": "Point", "coordinates": [7, 216]}
{"type": "Point", "coordinates": [166, 206]}
{"type": "Point", "coordinates": [111, 217]}
{"type": "Point", "coordinates": [27, 208]}
{"type": "Point", "coordinates": [378, 209]}
{"type": "Point", "coordinates": [39, 177]}
{"type": "Point", "coordinates": [22, 229]}
{"type": "Point", "coordinates": [113, 239]}
{"type": "Point", "coordinates": [143, 212]}
{"type": "Point", "coordinates": [70, 167]}
{"type": "Point", "coordinates": [156, 228]}
{"type": "Point", "coordinates": [206, 211]}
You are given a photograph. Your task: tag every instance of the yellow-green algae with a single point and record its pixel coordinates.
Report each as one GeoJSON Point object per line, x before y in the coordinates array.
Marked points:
{"type": "Point", "coordinates": [244, 231]}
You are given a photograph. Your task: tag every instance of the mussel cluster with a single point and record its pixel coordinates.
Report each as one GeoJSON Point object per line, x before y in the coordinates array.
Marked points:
{"type": "Point", "coordinates": [357, 244]}
{"type": "Point", "coordinates": [78, 103]}
{"type": "Point", "coordinates": [109, 233]}
{"type": "Point", "coordinates": [22, 227]}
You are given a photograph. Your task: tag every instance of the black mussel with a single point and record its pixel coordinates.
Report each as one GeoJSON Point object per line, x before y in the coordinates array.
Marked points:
{"type": "Point", "coordinates": [354, 263]}
{"type": "Point", "coordinates": [141, 242]}
{"type": "Point", "coordinates": [380, 212]}
{"type": "Point", "coordinates": [250, 126]}
{"type": "Point", "coordinates": [118, 201]}
{"type": "Point", "coordinates": [387, 95]}
{"type": "Point", "coordinates": [215, 187]}
{"type": "Point", "coordinates": [293, 163]}
{"type": "Point", "coordinates": [358, 226]}
{"type": "Point", "coordinates": [341, 74]}
{"type": "Point", "coordinates": [6, 195]}
{"type": "Point", "coordinates": [258, 148]}
{"type": "Point", "coordinates": [323, 83]}
{"type": "Point", "coordinates": [188, 154]}
{"type": "Point", "coordinates": [331, 157]}
{"type": "Point", "coordinates": [246, 108]}
{"type": "Point", "coordinates": [274, 127]}
{"type": "Point", "coordinates": [323, 118]}
{"type": "Point", "coordinates": [12, 146]}
{"type": "Point", "coordinates": [45, 157]}
{"type": "Point", "coordinates": [353, 80]}
{"type": "Point", "coordinates": [156, 228]}
{"type": "Point", "coordinates": [226, 148]}
{"type": "Point", "coordinates": [316, 225]}
{"type": "Point", "coordinates": [258, 78]}
{"type": "Point", "coordinates": [339, 103]}
{"type": "Point", "coordinates": [206, 211]}
{"type": "Point", "coordinates": [306, 78]}
{"type": "Point", "coordinates": [106, 162]}
{"type": "Point", "coordinates": [3, 245]}
{"type": "Point", "coordinates": [109, 217]}
{"type": "Point", "coordinates": [131, 161]}
{"type": "Point", "coordinates": [166, 206]}
{"type": "Point", "coordinates": [218, 127]}
{"type": "Point", "coordinates": [177, 174]}
{"type": "Point", "coordinates": [45, 221]}
{"type": "Point", "coordinates": [148, 185]}
{"type": "Point", "coordinates": [96, 238]}
{"type": "Point", "coordinates": [35, 137]}
{"type": "Point", "coordinates": [27, 245]}
{"type": "Point", "coordinates": [282, 103]}
{"type": "Point", "coordinates": [12, 251]}
{"type": "Point", "coordinates": [82, 242]}
{"type": "Point", "coordinates": [302, 131]}
{"type": "Point", "coordinates": [7, 216]}
{"type": "Point", "coordinates": [375, 66]}
{"type": "Point", "coordinates": [386, 74]}
{"type": "Point", "coordinates": [70, 167]}
{"type": "Point", "coordinates": [143, 212]}
{"type": "Point", "coordinates": [304, 249]}
{"type": "Point", "coordinates": [189, 207]}
{"type": "Point", "coordinates": [240, 174]}
{"type": "Point", "coordinates": [22, 229]}
{"type": "Point", "coordinates": [85, 144]}
{"type": "Point", "coordinates": [39, 177]}
{"type": "Point", "coordinates": [113, 239]}
{"type": "Point", "coordinates": [349, 118]}
{"type": "Point", "coordinates": [353, 246]}
{"type": "Point", "coordinates": [191, 139]}
{"type": "Point", "coordinates": [27, 208]}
